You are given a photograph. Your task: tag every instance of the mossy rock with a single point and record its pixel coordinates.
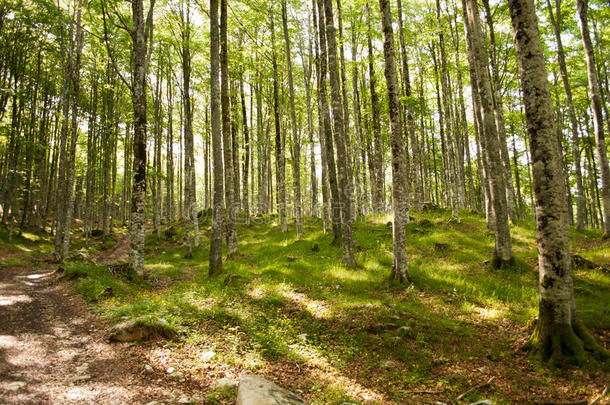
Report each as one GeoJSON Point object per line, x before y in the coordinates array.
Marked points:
{"type": "Point", "coordinates": [140, 328]}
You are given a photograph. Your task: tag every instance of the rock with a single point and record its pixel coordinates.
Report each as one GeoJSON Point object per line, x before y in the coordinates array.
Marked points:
{"type": "Point", "coordinates": [256, 390]}
{"type": "Point", "coordinates": [223, 384]}
{"type": "Point", "coordinates": [388, 364]}
{"type": "Point", "coordinates": [483, 402]}
{"type": "Point", "coordinates": [14, 374]}
{"type": "Point", "coordinates": [207, 356]}
{"type": "Point", "coordinates": [184, 400]}
{"type": "Point", "coordinates": [79, 256]}
{"type": "Point", "coordinates": [170, 370]}
{"type": "Point", "coordinates": [139, 329]}
{"type": "Point", "coordinates": [15, 385]}
{"type": "Point", "coordinates": [177, 376]}
{"type": "Point", "coordinates": [148, 368]}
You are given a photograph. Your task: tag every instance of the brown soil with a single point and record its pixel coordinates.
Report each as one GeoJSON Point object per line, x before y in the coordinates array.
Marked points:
{"type": "Point", "coordinates": [118, 252]}
{"type": "Point", "coordinates": [53, 351]}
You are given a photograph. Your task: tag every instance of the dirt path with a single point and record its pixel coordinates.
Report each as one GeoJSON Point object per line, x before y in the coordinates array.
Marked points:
{"type": "Point", "coordinates": [52, 350]}
{"type": "Point", "coordinates": [118, 252]}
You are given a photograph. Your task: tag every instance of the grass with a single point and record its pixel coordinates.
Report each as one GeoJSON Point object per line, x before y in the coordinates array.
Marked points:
{"type": "Point", "coordinates": [351, 334]}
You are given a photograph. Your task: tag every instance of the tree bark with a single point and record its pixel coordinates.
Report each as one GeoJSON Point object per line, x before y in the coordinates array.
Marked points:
{"type": "Point", "coordinates": [503, 255]}
{"type": "Point", "coordinates": [217, 210]}
{"type": "Point", "coordinates": [596, 105]}
{"type": "Point", "coordinates": [229, 170]}
{"type": "Point", "coordinates": [400, 202]}
{"type": "Point", "coordinates": [343, 167]}
{"type": "Point", "coordinates": [559, 335]}
{"type": "Point", "coordinates": [296, 143]}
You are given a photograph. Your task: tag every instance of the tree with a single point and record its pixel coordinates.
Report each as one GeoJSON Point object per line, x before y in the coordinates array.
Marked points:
{"type": "Point", "coordinates": [596, 105]}
{"type": "Point", "coordinates": [343, 166]}
{"type": "Point", "coordinates": [217, 206]}
{"type": "Point", "coordinates": [559, 334]}
{"type": "Point", "coordinates": [400, 202]}
{"type": "Point", "coordinates": [227, 144]}
{"type": "Point", "coordinates": [296, 143]}
{"type": "Point", "coordinates": [503, 253]}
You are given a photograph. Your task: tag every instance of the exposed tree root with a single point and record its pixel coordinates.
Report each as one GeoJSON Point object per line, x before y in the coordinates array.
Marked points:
{"type": "Point", "coordinates": [561, 345]}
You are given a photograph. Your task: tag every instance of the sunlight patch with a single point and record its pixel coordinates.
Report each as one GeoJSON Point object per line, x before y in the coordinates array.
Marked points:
{"type": "Point", "coordinates": [318, 309]}
{"type": "Point", "coordinates": [6, 300]}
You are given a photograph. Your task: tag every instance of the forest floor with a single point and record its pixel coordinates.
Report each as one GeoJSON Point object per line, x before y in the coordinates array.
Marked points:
{"type": "Point", "coordinates": [286, 309]}
{"type": "Point", "coordinates": [53, 350]}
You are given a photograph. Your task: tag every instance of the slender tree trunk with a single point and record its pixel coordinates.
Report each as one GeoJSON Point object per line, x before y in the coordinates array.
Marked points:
{"type": "Point", "coordinates": [246, 153]}
{"type": "Point", "coordinates": [69, 187]}
{"type": "Point", "coordinates": [503, 247]}
{"type": "Point", "coordinates": [343, 167]}
{"type": "Point", "coordinates": [377, 191]}
{"type": "Point", "coordinates": [216, 129]}
{"type": "Point", "coordinates": [279, 144]}
{"type": "Point", "coordinates": [499, 115]}
{"type": "Point", "coordinates": [596, 105]}
{"type": "Point", "coordinates": [400, 202]}
{"type": "Point", "coordinates": [296, 143]}
{"type": "Point", "coordinates": [580, 201]}
{"type": "Point", "coordinates": [327, 135]}
{"type": "Point", "coordinates": [231, 231]}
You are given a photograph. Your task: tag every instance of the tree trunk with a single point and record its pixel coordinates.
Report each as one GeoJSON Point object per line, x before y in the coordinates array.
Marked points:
{"type": "Point", "coordinates": [503, 255]}
{"type": "Point", "coordinates": [280, 157]}
{"type": "Point", "coordinates": [343, 167]}
{"type": "Point", "coordinates": [141, 40]}
{"type": "Point", "coordinates": [559, 335]}
{"type": "Point", "coordinates": [377, 191]}
{"type": "Point", "coordinates": [400, 202]}
{"type": "Point", "coordinates": [217, 211]}
{"type": "Point", "coordinates": [596, 105]}
{"type": "Point", "coordinates": [580, 199]}
{"type": "Point", "coordinates": [246, 153]}
{"type": "Point", "coordinates": [296, 143]}
{"type": "Point", "coordinates": [326, 133]}
{"type": "Point", "coordinates": [229, 170]}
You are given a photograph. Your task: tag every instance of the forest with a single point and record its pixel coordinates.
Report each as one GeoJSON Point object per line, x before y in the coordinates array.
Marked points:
{"type": "Point", "coordinates": [325, 202]}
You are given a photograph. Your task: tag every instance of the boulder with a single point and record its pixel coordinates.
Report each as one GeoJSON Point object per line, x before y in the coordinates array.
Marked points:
{"type": "Point", "coordinates": [256, 390]}
{"type": "Point", "coordinates": [139, 329]}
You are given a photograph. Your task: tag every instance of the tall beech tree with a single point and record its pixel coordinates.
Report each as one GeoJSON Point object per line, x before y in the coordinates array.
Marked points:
{"type": "Point", "coordinates": [559, 334]}
{"type": "Point", "coordinates": [216, 130]}
{"type": "Point", "coordinates": [597, 107]}
{"type": "Point", "coordinates": [400, 194]}
{"type": "Point", "coordinates": [503, 254]}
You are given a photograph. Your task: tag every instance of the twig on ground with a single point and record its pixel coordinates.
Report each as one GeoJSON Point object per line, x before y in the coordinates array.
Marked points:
{"type": "Point", "coordinates": [476, 387]}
